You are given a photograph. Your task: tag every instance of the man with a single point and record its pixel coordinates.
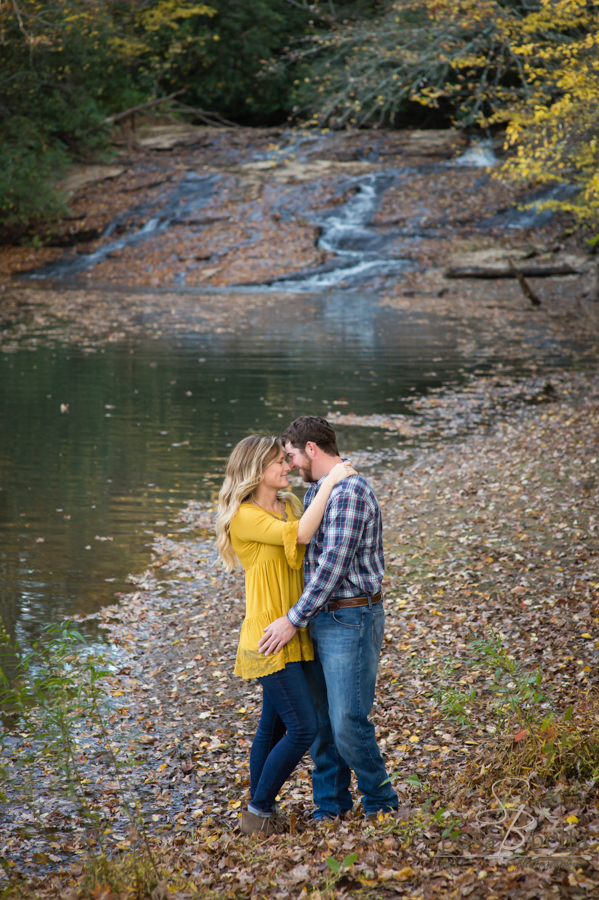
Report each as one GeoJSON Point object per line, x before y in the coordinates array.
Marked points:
{"type": "Point", "coordinates": [342, 604]}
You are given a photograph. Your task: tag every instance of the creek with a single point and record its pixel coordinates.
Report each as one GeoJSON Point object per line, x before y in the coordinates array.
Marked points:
{"type": "Point", "coordinates": [150, 423]}
{"type": "Point", "coordinates": [100, 446]}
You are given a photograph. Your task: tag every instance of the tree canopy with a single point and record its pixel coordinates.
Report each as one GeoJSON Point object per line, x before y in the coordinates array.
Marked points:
{"type": "Point", "coordinates": [530, 66]}
{"type": "Point", "coordinates": [66, 65]}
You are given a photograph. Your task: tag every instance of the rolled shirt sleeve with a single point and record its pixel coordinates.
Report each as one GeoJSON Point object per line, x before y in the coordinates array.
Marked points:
{"type": "Point", "coordinates": [343, 526]}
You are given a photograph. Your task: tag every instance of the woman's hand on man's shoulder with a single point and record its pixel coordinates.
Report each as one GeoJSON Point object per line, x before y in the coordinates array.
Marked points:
{"type": "Point", "coordinates": [341, 471]}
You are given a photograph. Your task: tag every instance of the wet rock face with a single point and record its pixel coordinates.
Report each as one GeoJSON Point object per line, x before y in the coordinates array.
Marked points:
{"type": "Point", "coordinates": [215, 207]}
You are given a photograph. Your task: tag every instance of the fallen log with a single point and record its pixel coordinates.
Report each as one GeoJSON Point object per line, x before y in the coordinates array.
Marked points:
{"type": "Point", "coordinates": [511, 271]}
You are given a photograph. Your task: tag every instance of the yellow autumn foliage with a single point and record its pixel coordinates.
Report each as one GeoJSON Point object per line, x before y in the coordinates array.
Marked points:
{"type": "Point", "coordinates": [146, 25]}
{"type": "Point", "coordinates": [532, 65]}
{"type": "Point", "coordinates": [167, 13]}
{"type": "Point", "coordinates": [551, 109]}
{"type": "Point", "coordinates": [553, 132]}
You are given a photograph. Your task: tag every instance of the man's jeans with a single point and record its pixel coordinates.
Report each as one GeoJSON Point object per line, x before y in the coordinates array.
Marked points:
{"type": "Point", "coordinates": [342, 679]}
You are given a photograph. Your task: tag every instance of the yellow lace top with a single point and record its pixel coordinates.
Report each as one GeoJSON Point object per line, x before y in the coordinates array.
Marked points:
{"type": "Point", "coordinates": [266, 546]}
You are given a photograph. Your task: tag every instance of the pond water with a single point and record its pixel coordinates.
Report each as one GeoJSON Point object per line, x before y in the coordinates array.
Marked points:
{"type": "Point", "coordinates": [150, 423]}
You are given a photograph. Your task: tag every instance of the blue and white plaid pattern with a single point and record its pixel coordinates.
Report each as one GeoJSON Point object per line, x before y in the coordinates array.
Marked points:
{"type": "Point", "coordinates": [345, 556]}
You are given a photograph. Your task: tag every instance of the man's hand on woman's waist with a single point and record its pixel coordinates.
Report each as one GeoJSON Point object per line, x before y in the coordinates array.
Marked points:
{"type": "Point", "coordinates": [276, 635]}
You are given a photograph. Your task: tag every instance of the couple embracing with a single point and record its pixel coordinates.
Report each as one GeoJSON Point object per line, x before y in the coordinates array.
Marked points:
{"type": "Point", "coordinates": [314, 620]}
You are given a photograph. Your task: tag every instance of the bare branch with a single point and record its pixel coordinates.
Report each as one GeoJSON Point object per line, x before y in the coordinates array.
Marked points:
{"type": "Point", "coordinates": [20, 20]}
{"type": "Point", "coordinates": [110, 120]}
{"type": "Point", "coordinates": [524, 285]}
{"type": "Point", "coordinates": [205, 116]}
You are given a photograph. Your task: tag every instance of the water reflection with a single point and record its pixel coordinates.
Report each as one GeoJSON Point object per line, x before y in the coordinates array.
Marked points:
{"type": "Point", "coordinates": [149, 425]}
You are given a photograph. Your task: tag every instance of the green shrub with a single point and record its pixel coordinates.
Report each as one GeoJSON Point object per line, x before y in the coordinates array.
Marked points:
{"type": "Point", "coordinates": [28, 167]}
{"type": "Point", "coordinates": [55, 705]}
{"type": "Point", "coordinates": [58, 80]}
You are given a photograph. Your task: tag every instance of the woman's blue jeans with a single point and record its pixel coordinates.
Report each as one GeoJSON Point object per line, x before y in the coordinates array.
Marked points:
{"type": "Point", "coordinates": [288, 726]}
{"type": "Point", "coordinates": [342, 678]}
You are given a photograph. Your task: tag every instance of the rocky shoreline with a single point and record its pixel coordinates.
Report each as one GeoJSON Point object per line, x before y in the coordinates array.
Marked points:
{"type": "Point", "coordinates": [189, 229]}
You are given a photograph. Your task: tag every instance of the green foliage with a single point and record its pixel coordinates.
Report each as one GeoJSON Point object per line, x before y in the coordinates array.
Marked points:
{"type": "Point", "coordinates": [516, 688]}
{"type": "Point", "coordinates": [512, 687]}
{"type": "Point", "coordinates": [58, 78]}
{"type": "Point", "coordinates": [223, 60]}
{"type": "Point", "coordinates": [28, 167]}
{"type": "Point", "coordinates": [336, 866]}
{"type": "Point", "coordinates": [533, 735]}
{"type": "Point", "coordinates": [562, 745]}
{"type": "Point", "coordinates": [66, 65]}
{"type": "Point", "coordinates": [52, 696]}
{"type": "Point", "coordinates": [338, 869]}
{"type": "Point", "coordinates": [457, 704]}
{"type": "Point", "coordinates": [414, 780]}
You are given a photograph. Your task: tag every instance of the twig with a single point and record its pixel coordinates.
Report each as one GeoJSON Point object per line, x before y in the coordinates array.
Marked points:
{"type": "Point", "coordinates": [20, 21]}
{"type": "Point", "coordinates": [129, 112]}
{"type": "Point", "coordinates": [524, 285]}
{"type": "Point", "coordinates": [205, 116]}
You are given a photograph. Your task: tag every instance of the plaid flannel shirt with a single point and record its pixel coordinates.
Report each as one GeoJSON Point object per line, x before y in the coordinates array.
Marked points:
{"type": "Point", "coordinates": [345, 556]}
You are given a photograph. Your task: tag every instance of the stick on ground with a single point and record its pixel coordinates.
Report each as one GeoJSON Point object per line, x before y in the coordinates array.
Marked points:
{"type": "Point", "coordinates": [493, 272]}
{"type": "Point", "coordinates": [524, 285]}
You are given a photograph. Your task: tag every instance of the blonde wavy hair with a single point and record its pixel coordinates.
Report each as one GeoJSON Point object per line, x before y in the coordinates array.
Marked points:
{"type": "Point", "coordinates": [245, 470]}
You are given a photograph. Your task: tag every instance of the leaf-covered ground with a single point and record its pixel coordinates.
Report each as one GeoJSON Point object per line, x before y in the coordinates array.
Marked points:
{"type": "Point", "coordinates": [490, 534]}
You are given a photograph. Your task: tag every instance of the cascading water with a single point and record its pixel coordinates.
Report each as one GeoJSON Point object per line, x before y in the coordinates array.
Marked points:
{"type": "Point", "coordinates": [181, 204]}
{"type": "Point", "coordinates": [354, 250]}
{"type": "Point", "coordinates": [480, 153]}
{"type": "Point", "coordinates": [358, 250]}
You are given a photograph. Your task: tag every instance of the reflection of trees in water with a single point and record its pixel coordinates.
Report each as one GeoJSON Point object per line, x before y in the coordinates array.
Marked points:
{"type": "Point", "coordinates": [119, 460]}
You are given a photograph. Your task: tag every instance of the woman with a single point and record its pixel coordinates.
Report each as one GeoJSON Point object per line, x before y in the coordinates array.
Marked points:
{"type": "Point", "coordinates": [260, 526]}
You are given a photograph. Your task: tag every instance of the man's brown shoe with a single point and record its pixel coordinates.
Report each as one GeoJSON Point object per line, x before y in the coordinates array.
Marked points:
{"type": "Point", "coordinates": [253, 824]}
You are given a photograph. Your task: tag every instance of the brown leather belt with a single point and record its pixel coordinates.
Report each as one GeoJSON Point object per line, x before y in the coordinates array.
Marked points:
{"type": "Point", "coordinates": [336, 603]}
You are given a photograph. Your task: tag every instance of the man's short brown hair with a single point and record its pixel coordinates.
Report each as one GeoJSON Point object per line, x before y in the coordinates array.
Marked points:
{"type": "Point", "coordinates": [315, 429]}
